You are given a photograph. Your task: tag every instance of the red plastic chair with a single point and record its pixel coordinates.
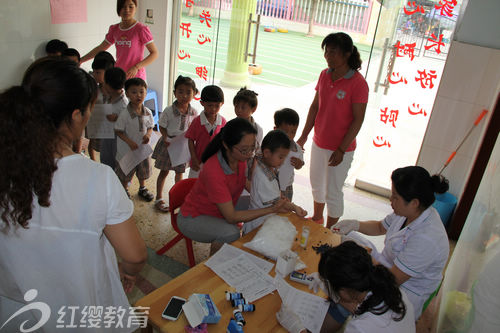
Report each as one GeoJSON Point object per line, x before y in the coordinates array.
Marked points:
{"type": "Point", "coordinates": [176, 197]}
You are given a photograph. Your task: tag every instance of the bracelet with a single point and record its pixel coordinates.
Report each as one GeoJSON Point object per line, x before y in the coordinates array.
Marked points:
{"type": "Point", "coordinates": [340, 149]}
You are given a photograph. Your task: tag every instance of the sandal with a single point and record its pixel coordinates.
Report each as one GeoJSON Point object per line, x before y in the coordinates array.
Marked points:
{"type": "Point", "coordinates": [145, 194]}
{"type": "Point", "coordinates": [162, 206]}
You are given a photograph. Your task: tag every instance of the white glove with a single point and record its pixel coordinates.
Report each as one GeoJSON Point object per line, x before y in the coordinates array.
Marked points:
{"type": "Point", "coordinates": [316, 283]}
{"type": "Point", "coordinates": [289, 320]}
{"type": "Point", "coordinates": [345, 226]}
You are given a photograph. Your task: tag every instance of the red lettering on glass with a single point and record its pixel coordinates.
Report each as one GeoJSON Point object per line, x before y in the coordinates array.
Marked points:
{"type": "Point", "coordinates": [426, 78]}
{"type": "Point", "coordinates": [189, 3]}
{"type": "Point", "coordinates": [185, 27]}
{"type": "Point", "coordinates": [202, 72]}
{"type": "Point", "coordinates": [197, 97]}
{"type": "Point", "coordinates": [435, 43]}
{"type": "Point", "coordinates": [446, 7]}
{"type": "Point", "coordinates": [416, 109]}
{"type": "Point", "coordinates": [381, 142]}
{"type": "Point", "coordinates": [202, 39]}
{"type": "Point", "coordinates": [183, 55]}
{"type": "Point", "coordinates": [417, 9]}
{"type": "Point", "coordinates": [205, 17]}
{"type": "Point", "coordinates": [392, 117]}
{"type": "Point", "coordinates": [405, 49]}
{"type": "Point", "coordinates": [395, 78]}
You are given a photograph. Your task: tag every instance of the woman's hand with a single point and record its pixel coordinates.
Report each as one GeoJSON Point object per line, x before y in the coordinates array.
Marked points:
{"type": "Point", "coordinates": [302, 141]}
{"type": "Point", "coordinates": [336, 158]}
{"type": "Point", "coordinates": [132, 72]}
{"type": "Point", "coordinates": [127, 280]}
{"type": "Point", "coordinates": [281, 206]}
{"type": "Point", "coordinates": [344, 227]}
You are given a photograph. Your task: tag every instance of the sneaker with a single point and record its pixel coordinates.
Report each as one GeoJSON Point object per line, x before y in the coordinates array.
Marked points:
{"type": "Point", "coordinates": [145, 194]}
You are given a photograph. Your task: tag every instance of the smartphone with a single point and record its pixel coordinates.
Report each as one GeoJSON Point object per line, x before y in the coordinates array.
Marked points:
{"type": "Point", "coordinates": [174, 308]}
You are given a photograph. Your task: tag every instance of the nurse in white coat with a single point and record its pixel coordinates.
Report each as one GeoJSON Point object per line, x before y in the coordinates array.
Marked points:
{"type": "Point", "coordinates": [416, 244]}
{"type": "Point", "coordinates": [366, 291]}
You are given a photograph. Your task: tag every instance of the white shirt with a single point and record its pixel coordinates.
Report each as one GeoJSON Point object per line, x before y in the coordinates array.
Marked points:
{"type": "Point", "coordinates": [420, 250]}
{"type": "Point", "coordinates": [64, 253]}
{"type": "Point", "coordinates": [119, 104]}
{"type": "Point", "coordinates": [371, 323]}
{"type": "Point", "coordinates": [172, 120]}
{"type": "Point", "coordinates": [286, 172]}
{"type": "Point", "coordinates": [135, 128]}
{"type": "Point", "coordinates": [260, 131]}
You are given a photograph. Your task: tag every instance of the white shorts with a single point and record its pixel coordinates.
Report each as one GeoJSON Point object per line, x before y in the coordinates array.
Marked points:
{"type": "Point", "coordinates": [327, 181]}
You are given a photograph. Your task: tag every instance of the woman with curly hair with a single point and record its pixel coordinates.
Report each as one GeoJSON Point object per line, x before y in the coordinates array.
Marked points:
{"type": "Point", "coordinates": [63, 216]}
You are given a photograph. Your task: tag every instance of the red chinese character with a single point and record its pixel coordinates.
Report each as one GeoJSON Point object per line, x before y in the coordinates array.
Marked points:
{"type": "Point", "coordinates": [202, 39]}
{"type": "Point", "coordinates": [435, 43]}
{"type": "Point", "coordinates": [446, 7]}
{"type": "Point", "coordinates": [197, 97]}
{"type": "Point", "coordinates": [185, 27]}
{"type": "Point", "coordinates": [183, 55]}
{"type": "Point", "coordinates": [189, 3]}
{"type": "Point", "coordinates": [426, 78]}
{"type": "Point", "coordinates": [202, 72]}
{"type": "Point", "coordinates": [413, 4]}
{"type": "Point", "coordinates": [397, 78]}
{"type": "Point", "coordinates": [392, 117]}
{"type": "Point", "coordinates": [381, 142]}
{"type": "Point", "coordinates": [205, 17]}
{"type": "Point", "coordinates": [416, 109]}
{"type": "Point", "coordinates": [406, 49]}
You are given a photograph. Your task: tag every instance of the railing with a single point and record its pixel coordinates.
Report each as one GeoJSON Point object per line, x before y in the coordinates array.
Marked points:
{"type": "Point", "coordinates": [344, 15]}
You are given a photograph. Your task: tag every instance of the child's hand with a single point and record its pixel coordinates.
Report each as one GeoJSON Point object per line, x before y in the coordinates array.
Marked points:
{"type": "Point", "coordinates": [112, 117]}
{"type": "Point", "coordinates": [133, 145]}
{"type": "Point", "coordinates": [145, 138]}
{"type": "Point", "coordinates": [296, 162]}
{"type": "Point", "coordinates": [195, 164]}
{"type": "Point", "coordinates": [300, 211]}
{"type": "Point", "coordinates": [281, 206]}
{"type": "Point", "coordinates": [165, 141]}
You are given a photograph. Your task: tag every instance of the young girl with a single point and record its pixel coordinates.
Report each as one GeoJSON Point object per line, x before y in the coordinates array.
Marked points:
{"type": "Point", "coordinates": [130, 37]}
{"type": "Point", "coordinates": [174, 121]}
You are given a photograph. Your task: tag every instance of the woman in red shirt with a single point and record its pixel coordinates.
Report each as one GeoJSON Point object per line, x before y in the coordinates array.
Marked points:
{"type": "Point", "coordinates": [208, 214]}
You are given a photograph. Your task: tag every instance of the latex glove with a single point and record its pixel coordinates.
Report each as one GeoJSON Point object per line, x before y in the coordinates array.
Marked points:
{"type": "Point", "coordinates": [289, 320]}
{"type": "Point", "coordinates": [316, 283]}
{"type": "Point", "coordinates": [344, 227]}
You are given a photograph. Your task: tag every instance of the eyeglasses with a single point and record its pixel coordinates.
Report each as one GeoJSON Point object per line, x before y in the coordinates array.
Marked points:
{"type": "Point", "coordinates": [247, 151]}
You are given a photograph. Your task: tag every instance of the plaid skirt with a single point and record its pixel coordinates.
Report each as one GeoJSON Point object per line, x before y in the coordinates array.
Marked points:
{"type": "Point", "coordinates": [162, 158]}
{"type": "Point", "coordinates": [142, 170]}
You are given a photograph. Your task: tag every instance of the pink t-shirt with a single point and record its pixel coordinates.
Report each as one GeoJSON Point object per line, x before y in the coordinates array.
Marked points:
{"type": "Point", "coordinates": [334, 115]}
{"type": "Point", "coordinates": [130, 44]}
{"type": "Point", "coordinates": [200, 135]}
{"type": "Point", "coordinates": [217, 183]}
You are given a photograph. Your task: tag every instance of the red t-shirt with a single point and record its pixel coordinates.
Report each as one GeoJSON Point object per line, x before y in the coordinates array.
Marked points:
{"type": "Point", "coordinates": [334, 115]}
{"type": "Point", "coordinates": [217, 183]}
{"type": "Point", "coordinates": [199, 134]}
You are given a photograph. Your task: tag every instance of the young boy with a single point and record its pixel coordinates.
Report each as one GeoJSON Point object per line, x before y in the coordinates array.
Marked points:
{"type": "Point", "coordinates": [134, 127]}
{"type": "Point", "coordinates": [205, 127]}
{"type": "Point", "coordinates": [72, 54]}
{"type": "Point", "coordinates": [245, 104]}
{"type": "Point", "coordinates": [287, 120]}
{"type": "Point", "coordinates": [114, 81]}
{"type": "Point", "coordinates": [265, 190]}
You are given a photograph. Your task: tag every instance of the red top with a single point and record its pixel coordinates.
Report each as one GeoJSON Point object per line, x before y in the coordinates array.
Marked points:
{"type": "Point", "coordinates": [200, 135]}
{"type": "Point", "coordinates": [217, 183]}
{"type": "Point", "coordinates": [334, 115]}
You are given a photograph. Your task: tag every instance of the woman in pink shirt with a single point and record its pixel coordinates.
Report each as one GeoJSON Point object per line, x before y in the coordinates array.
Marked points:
{"type": "Point", "coordinates": [336, 113]}
{"type": "Point", "coordinates": [130, 38]}
{"type": "Point", "coordinates": [208, 214]}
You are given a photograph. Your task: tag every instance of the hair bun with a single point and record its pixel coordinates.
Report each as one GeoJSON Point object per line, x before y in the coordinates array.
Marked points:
{"type": "Point", "coordinates": [440, 184]}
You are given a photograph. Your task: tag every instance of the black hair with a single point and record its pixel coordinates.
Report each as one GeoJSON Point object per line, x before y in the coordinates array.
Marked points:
{"type": "Point", "coordinates": [414, 182]}
{"type": "Point", "coordinates": [349, 266]}
{"type": "Point", "coordinates": [212, 94]}
{"type": "Point", "coordinates": [30, 117]}
{"type": "Point", "coordinates": [135, 81]}
{"type": "Point", "coordinates": [187, 81]}
{"type": "Point", "coordinates": [246, 96]}
{"type": "Point", "coordinates": [70, 52]}
{"type": "Point", "coordinates": [121, 3]}
{"type": "Point", "coordinates": [343, 42]}
{"type": "Point", "coordinates": [103, 60]}
{"type": "Point", "coordinates": [286, 116]}
{"type": "Point", "coordinates": [115, 77]}
{"type": "Point", "coordinates": [55, 46]}
{"type": "Point", "coordinates": [274, 140]}
{"type": "Point", "coordinates": [231, 135]}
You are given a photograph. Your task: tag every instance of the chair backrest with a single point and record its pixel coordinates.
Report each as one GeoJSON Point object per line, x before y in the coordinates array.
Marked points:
{"type": "Point", "coordinates": [179, 191]}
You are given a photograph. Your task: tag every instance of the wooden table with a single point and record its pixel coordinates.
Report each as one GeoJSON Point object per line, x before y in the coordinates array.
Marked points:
{"type": "Point", "coordinates": [201, 279]}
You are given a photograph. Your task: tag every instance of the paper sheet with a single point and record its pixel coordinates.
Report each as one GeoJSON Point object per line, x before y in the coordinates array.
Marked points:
{"type": "Point", "coordinates": [228, 252]}
{"type": "Point", "coordinates": [134, 157]}
{"type": "Point", "coordinates": [242, 274]}
{"type": "Point", "coordinates": [310, 308]}
{"type": "Point", "coordinates": [179, 150]}
{"type": "Point", "coordinates": [98, 127]}
{"type": "Point", "coordinates": [68, 11]}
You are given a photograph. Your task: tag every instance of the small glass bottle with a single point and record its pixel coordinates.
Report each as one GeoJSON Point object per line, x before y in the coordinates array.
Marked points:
{"type": "Point", "coordinates": [304, 237]}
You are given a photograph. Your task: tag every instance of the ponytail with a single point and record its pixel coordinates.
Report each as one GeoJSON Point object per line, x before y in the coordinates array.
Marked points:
{"type": "Point", "coordinates": [343, 42]}
{"type": "Point", "coordinates": [213, 147]}
{"type": "Point", "coordinates": [354, 60]}
{"type": "Point", "coordinates": [439, 184]}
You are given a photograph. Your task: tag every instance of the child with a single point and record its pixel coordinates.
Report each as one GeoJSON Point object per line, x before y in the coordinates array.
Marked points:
{"type": "Point", "coordinates": [265, 190]}
{"type": "Point", "coordinates": [114, 81]}
{"type": "Point", "coordinates": [205, 127]}
{"type": "Point", "coordinates": [287, 120]}
{"type": "Point", "coordinates": [174, 121]}
{"type": "Point", "coordinates": [133, 127]}
{"type": "Point", "coordinates": [55, 48]}
{"type": "Point", "coordinates": [72, 54]}
{"type": "Point", "coordinates": [245, 104]}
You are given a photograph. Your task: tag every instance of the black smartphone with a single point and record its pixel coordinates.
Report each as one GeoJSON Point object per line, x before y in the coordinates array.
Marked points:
{"type": "Point", "coordinates": [174, 308]}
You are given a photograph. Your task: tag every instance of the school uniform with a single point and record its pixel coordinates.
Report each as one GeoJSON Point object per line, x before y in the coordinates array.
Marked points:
{"type": "Point", "coordinates": [108, 146]}
{"type": "Point", "coordinates": [260, 132]}
{"type": "Point", "coordinates": [176, 124]}
{"type": "Point", "coordinates": [286, 171]}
